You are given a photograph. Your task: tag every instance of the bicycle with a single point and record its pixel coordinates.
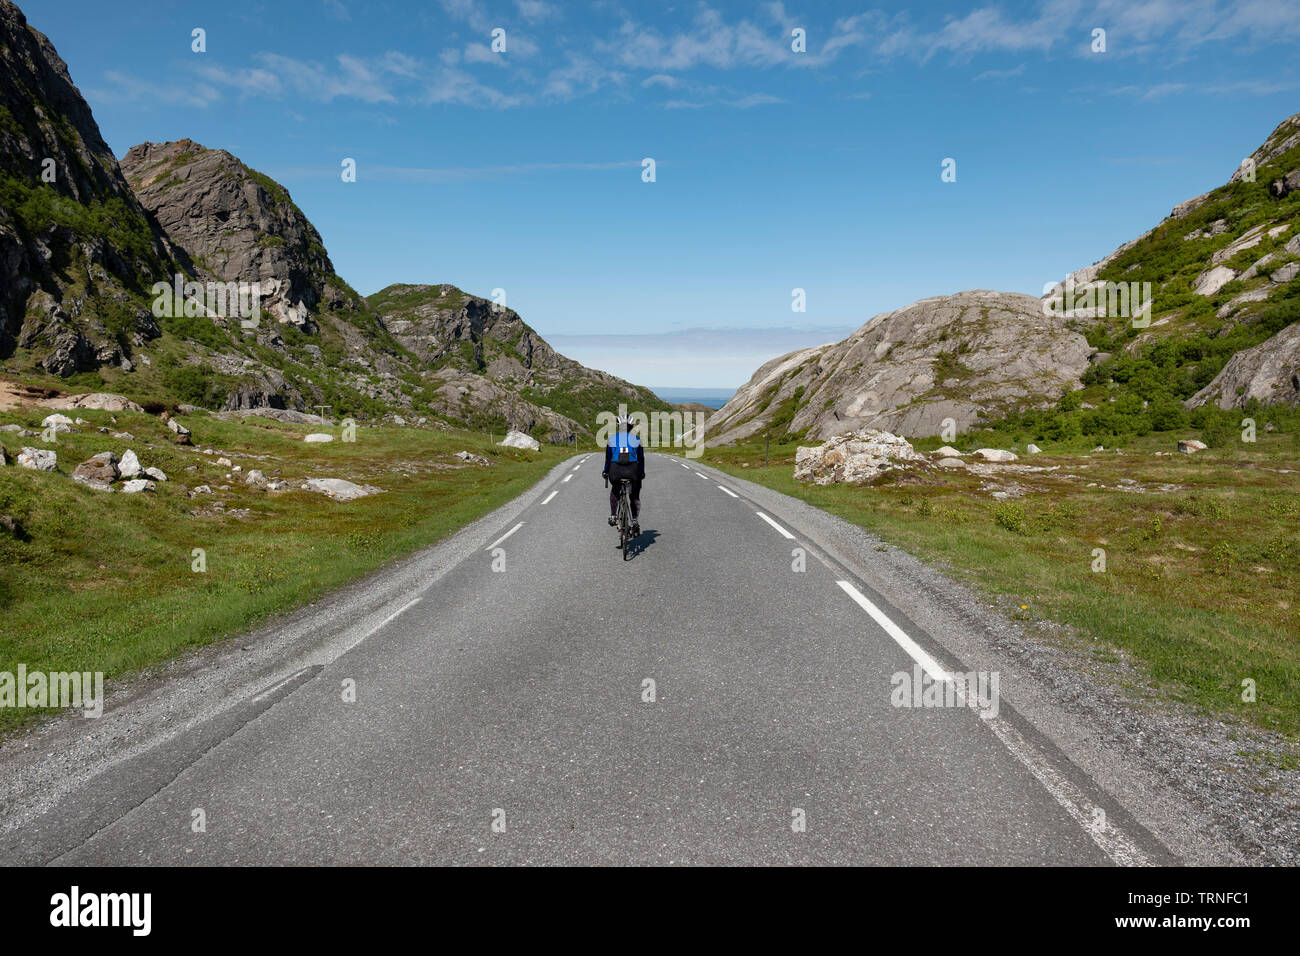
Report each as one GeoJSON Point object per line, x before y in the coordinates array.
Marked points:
{"type": "Point", "coordinates": [623, 515]}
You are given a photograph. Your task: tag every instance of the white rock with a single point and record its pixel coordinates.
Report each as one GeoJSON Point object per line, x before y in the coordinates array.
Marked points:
{"type": "Point", "coordinates": [156, 474]}
{"type": "Point", "coordinates": [277, 485]}
{"type": "Point", "coordinates": [236, 468]}
{"type": "Point", "coordinates": [203, 490]}
{"type": "Point", "coordinates": [254, 477]}
{"type": "Point", "coordinates": [319, 437]}
{"type": "Point", "coordinates": [996, 454]}
{"type": "Point", "coordinates": [1190, 446]}
{"type": "Point", "coordinates": [125, 436]}
{"type": "Point", "coordinates": [38, 459]}
{"type": "Point", "coordinates": [853, 458]}
{"type": "Point", "coordinates": [1033, 449]}
{"type": "Point", "coordinates": [1212, 280]}
{"type": "Point", "coordinates": [340, 490]}
{"type": "Point", "coordinates": [947, 451]}
{"type": "Point", "coordinates": [224, 462]}
{"type": "Point", "coordinates": [951, 463]}
{"type": "Point", "coordinates": [129, 466]}
{"type": "Point", "coordinates": [55, 419]}
{"type": "Point", "coordinates": [517, 439]}
{"type": "Point", "coordinates": [137, 484]}
{"type": "Point", "coordinates": [82, 421]}
{"type": "Point", "coordinates": [177, 427]}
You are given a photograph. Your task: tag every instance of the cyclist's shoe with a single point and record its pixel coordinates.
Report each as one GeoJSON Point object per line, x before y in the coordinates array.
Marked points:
{"type": "Point", "coordinates": [612, 521]}
{"type": "Point", "coordinates": [636, 529]}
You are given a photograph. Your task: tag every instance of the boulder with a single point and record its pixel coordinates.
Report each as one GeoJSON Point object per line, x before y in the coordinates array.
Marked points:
{"type": "Point", "coordinates": [129, 466]}
{"type": "Point", "coordinates": [56, 419]}
{"type": "Point", "coordinates": [318, 437]}
{"type": "Point", "coordinates": [853, 458]}
{"type": "Point", "coordinates": [255, 477]}
{"type": "Point", "coordinates": [177, 427]}
{"type": "Point", "coordinates": [1189, 446]}
{"type": "Point", "coordinates": [947, 451]}
{"type": "Point", "coordinates": [156, 474]}
{"type": "Point", "coordinates": [137, 484]}
{"type": "Point", "coordinates": [996, 454]}
{"type": "Point", "coordinates": [951, 463]}
{"type": "Point", "coordinates": [97, 471]}
{"type": "Point", "coordinates": [39, 459]}
{"type": "Point", "coordinates": [471, 457]}
{"type": "Point", "coordinates": [517, 439]}
{"type": "Point", "coordinates": [104, 401]}
{"type": "Point", "coordinates": [339, 489]}
{"type": "Point", "coordinates": [1033, 449]}
{"type": "Point", "coordinates": [4, 457]}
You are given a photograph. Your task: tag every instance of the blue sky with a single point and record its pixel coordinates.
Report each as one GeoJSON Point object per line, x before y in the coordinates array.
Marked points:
{"type": "Point", "coordinates": [775, 169]}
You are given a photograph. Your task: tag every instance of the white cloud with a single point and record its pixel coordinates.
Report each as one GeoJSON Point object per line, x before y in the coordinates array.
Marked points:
{"type": "Point", "coordinates": [535, 11]}
{"type": "Point", "coordinates": [125, 88]}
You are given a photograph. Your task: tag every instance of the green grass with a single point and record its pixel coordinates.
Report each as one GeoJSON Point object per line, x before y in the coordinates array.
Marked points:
{"type": "Point", "coordinates": [103, 582]}
{"type": "Point", "coordinates": [1201, 583]}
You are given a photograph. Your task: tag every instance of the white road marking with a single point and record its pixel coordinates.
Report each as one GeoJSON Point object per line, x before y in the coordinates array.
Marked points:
{"type": "Point", "coordinates": [729, 491]}
{"type": "Point", "coordinates": [550, 496]}
{"type": "Point", "coordinates": [893, 630]}
{"type": "Point", "coordinates": [383, 623]}
{"type": "Point", "coordinates": [784, 533]}
{"type": "Point", "coordinates": [567, 477]}
{"type": "Point", "coordinates": [702, 475]}
{"type": "Point", "coordinates": [504, 536]}
{"type": "Point", "coordinates": [1114, 843]}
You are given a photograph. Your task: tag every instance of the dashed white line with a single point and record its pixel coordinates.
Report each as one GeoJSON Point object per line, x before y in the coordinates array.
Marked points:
{"type": "Point", "coordinates": [702, 475]}
{"type": "Point", "coordinates": [550, 496]}
{"type": "Point", "coordinates": [893, 630]}
{"type": "Point", "coordinates": [728, 491]}
{"type": "Point", "coordinates": [784, 533]}
{"type": "Point", "coordinates": [504, 536]}
{"type": "Point", "coordinates": [568, 476]}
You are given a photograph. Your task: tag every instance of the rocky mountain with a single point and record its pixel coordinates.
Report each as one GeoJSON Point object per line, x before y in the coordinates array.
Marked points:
{"type": "Point", "coordinates": [184, 275]}
{"type": "Point", "coordinates": [962, 356]}
{"type": "Point", "coordinates": [1223, 272]}
{"type": "Point", "coordinates": [1200, 309]}
{"type": "Point", "coordinates": [481, 353]}
{"type": "Point", "coordinates": [77, 251]}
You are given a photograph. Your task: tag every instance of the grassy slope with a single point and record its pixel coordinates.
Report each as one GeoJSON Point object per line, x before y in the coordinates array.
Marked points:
{"type": "Point", "coordinates": [103, 581]}
{"type": "Point", "coordinates": [1201, 582]}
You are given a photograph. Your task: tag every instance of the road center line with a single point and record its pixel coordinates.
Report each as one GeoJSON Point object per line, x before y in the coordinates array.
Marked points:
{"type": "Point", "coordinates": [893, 630]}
{"type": "Point", "coordinates": [703, 475]}
{"type": "Point", "coordinates": [504, 536]}
{"type": "Point", "coordinates": [550, 496]}
{"type": "Point", "coordinates": [568, 476]}
{"type": "Point", "coordinates": [784, 533]}
{"type": "Point", "coordinates": [729, 491]}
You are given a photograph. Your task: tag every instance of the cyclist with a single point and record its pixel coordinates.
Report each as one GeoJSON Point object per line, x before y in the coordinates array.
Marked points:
{"type": "Point", "coordinates": [624, 458]}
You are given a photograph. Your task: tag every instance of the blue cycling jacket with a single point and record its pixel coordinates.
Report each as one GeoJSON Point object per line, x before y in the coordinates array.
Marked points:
{"type": "Point", "coordinates": [625, 444]}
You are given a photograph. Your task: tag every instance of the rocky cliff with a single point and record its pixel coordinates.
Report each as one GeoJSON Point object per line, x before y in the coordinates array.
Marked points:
{"type": "Point", "coordinates": [481, 354]}
{"type": "Point", "coordinates": [77, 252]}
{"type": "Point", "coordinates": [966, 356]}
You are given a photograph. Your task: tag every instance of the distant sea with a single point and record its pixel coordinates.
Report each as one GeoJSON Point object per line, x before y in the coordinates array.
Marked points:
{"type": "Point", "coordinates": [713, 397]}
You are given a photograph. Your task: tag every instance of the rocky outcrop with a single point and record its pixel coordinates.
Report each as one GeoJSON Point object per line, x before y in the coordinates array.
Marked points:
{"type": "Point", "coordinates": [516, 439]}
{"type": "Point", "coordinates": [961, 357]}
{"type": "Point", "coordinates": [66, 215]}
{"type": "Point", "coordinates": [1269, 372]}
{"type": "Point", "coordinates": [853, 458]}
{"type": "Point", "coordinates": [487, 362]}
{"type": "Point", "coordinates": [230, 223]}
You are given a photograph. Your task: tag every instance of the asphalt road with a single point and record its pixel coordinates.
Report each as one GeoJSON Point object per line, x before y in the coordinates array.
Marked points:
{"type": "Point", "coordinates": [503, 714]}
